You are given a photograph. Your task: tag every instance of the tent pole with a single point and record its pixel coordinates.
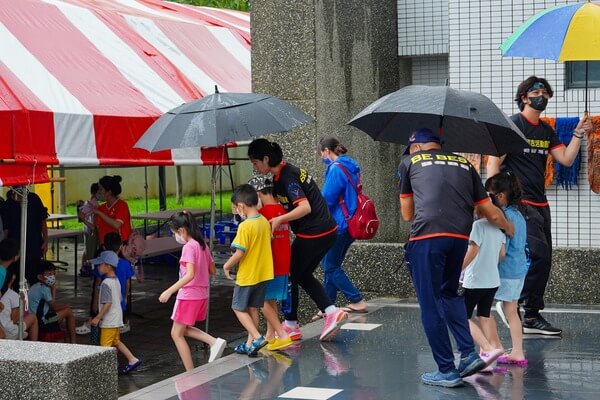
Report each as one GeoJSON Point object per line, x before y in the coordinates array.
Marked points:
{"type": "Point", "coordinates": [213, 200]}
{"type": "Point", "coordinates": [22, 259]}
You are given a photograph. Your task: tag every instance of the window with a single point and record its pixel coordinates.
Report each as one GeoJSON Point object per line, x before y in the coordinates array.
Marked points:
{"type": "Point", "coordinates": [575, 71]}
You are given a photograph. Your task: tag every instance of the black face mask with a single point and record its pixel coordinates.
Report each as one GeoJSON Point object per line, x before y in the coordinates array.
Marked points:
{"type": "Point", "coordinates": [538, 103]}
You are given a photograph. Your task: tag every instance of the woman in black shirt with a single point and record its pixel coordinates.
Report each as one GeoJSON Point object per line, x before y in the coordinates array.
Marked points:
{"type": "Point", "coordinates": [311, 222]}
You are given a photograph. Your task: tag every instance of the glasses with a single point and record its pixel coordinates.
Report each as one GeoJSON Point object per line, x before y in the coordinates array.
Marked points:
{"type": "Point", "coordinates": [493, 196]}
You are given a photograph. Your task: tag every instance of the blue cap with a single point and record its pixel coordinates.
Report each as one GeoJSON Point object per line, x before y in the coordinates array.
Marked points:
{"type": "Point", "coordinates": [106, 257]}
{"type": "Point", "coordinates": [423, 135]}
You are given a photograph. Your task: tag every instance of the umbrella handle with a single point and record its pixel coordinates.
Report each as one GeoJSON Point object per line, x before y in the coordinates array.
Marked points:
{"type": "Point", "coordinates": [586, 86]}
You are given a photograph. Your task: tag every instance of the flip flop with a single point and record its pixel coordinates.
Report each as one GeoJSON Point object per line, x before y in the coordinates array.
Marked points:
{"type": "Point", "coordinates": [353, 310]}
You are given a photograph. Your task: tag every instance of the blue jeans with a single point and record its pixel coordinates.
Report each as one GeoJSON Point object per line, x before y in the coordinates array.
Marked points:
{"type": "Point", "coordinates": [435, 266]}
{"type": "Point", "coordinates": [335, 277]}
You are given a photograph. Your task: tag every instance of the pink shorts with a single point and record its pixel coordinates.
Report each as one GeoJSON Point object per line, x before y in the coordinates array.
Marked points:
{"type": "Point", "coordinates": [187, 312]}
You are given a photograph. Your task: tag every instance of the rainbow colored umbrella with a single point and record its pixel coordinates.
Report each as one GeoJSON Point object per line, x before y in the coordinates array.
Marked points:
{"type": "Point", "coordinates": [569, 32]}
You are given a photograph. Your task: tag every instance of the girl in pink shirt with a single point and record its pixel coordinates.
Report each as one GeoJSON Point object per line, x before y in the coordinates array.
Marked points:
{"type": "Point", "coordinates": [195, 265]}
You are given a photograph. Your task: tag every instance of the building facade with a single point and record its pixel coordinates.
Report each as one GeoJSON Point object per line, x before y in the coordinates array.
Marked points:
{"type": "Point", "coordinates": [457, 42]}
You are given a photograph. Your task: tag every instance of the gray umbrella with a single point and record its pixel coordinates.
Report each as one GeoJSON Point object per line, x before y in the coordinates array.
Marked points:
{"type": "Point", "coordinates": [221, 118]}
{"type": "Point", "coordinates": [469, 122]}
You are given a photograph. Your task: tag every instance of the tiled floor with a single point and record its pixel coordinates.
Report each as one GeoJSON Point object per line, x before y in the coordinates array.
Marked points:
{"type": "Point", "coordinates": [385, 361]}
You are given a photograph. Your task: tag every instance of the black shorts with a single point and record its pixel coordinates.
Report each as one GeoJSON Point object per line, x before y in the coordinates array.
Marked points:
{"type": "Point", "coordinates": [49, 323]}
{"type": "Point", "coordinates": [482, 298]}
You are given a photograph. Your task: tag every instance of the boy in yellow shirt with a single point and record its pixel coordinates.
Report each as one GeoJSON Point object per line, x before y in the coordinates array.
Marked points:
{"type": "Point", "coordinates": [252, 245]}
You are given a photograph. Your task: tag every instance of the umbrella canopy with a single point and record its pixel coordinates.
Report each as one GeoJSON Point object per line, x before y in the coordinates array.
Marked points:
{"type": "Point", "coordinates": [221, 118]}
{"type": "Point", "coordinates": [469, 122]}
{"type": "Point", "coordinates": [569, 32]}
{"type": "Point", "coordinates": [82, 80]}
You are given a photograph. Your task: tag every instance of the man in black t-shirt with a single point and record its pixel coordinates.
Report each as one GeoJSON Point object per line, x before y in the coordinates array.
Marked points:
{"type": "Point", "coordinates": [438, 193]}
{"type": "Point", "coordinates": [530, 167]}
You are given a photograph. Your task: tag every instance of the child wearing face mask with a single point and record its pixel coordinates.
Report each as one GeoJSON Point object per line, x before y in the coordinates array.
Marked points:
{"type": "Point", "coordinates": [195, 265]}
{"type": "Point", "coordinates": [505, 190]}
{"type": "Point", "coordinates": [42, 302]}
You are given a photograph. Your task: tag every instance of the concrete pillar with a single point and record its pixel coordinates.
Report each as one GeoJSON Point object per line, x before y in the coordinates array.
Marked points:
{"type": "Point", "coordinates": [332, 59]}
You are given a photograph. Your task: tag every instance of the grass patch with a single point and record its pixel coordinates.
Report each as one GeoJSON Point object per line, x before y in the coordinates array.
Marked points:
{"type": "Point", "coordinates": [138, 206]}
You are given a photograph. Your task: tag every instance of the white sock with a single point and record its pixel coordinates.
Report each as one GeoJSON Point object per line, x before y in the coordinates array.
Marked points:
{"type": "Point", "coordinates": [330, 309]}
{"type": "Point", "coordinates": [291, 324]}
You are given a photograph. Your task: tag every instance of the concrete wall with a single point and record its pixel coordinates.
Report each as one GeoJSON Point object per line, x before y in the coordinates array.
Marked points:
{"type": "Point", "coordinates": [332, 59]}
{"type": "Point", "coordinates": [378, 270]}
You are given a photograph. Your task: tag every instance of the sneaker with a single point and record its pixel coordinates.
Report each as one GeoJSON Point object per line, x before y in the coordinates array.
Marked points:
{"type": "Point", "coordinates": [84, 329]}
{"type": "Point", "coordinates": [500, 311]}
{"type": "Point", "coordinates": [278, 344]}
{"type": "Point", "coordinates": [333, 322]}
{"type": "Point", "coordinates": [489, 357]}
{"type": "Point", "coordinates": [470, 365]}
{"type": "Point", "coordinates": [125, 328]}
{"type": "Point", "coordinates": [216, 350]}
{"type": "Point", "coordinates": [540, 326]}
{"type": "Point", "coordinates": [449, 379]}
{"type": "Point", "coordinates": [294, 333]}
{"type": "Point", "coordinates": [334, 362]}
{"type": "Point", "coordinates": [130, 367]}
{"type": "Point", "coordinates": [256, 346]}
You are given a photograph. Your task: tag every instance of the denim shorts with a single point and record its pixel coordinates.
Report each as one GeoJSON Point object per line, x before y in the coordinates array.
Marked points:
{"type": "Point", "coordinates": [510, 289]}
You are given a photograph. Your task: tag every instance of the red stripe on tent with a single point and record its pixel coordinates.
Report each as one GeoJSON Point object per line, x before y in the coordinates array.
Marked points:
{"type": "Point", "coordinates": [13, 175]}
{"type": "Point", "coordinates": [212, 16]}
{"type": "Point", "coordinates": [22, 113]}
{"type": "Point", "coordinates": [115, 138]}
{"type": "Point", "coordinates": [77, 64]}
{"type": "Point", "coordinates": [206, 52]}
{"type": "Point", "coordinates": [156, 60]}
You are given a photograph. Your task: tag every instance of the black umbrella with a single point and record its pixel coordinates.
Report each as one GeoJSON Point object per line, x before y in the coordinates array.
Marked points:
{"type": "Point", "coordinates": [468, 122]}
{"type": "Point", "coordinates": [221, 118]}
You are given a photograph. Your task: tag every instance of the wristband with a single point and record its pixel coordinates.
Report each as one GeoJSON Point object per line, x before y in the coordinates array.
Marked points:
{"type": "Point", "coordinates": [578, 137]}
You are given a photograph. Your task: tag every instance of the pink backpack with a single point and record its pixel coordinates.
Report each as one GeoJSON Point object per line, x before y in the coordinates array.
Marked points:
{"type": "Point", "coordinates": [364, 223]}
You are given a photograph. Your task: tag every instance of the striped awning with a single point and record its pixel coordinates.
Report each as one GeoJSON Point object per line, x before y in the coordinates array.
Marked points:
{"type": "Point", "coordinates": [81, 80]}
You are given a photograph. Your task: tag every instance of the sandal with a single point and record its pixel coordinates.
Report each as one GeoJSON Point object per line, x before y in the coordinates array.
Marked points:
{"type": "Point", "coordinates": [130, 367]}
{"type": "Point", "coordinates": [241, 348]}
{"type": "Point", "coordinates": [256, 346]}
{"type": "Point", "coordinates": [505, 360]}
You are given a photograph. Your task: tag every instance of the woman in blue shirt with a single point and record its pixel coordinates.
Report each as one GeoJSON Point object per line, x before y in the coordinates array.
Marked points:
{"type": "Point", "coordinates": [337, 189]}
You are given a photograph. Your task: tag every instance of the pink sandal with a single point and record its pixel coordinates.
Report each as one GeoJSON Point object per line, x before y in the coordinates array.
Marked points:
{"type": "Point", "coordinates": [505, 360]}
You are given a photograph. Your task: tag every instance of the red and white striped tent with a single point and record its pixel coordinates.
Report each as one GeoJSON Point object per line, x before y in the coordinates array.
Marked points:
{"type": "Point", "coordinates": [81, 80]}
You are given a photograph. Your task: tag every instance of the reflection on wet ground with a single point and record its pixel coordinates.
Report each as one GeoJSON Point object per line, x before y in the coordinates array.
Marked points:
{"type": "Point", "coordinates": [384, 360]}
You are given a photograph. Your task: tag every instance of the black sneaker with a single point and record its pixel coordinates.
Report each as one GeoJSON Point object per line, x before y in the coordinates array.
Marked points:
{"type": "Point", "coordinates": [538, 325]}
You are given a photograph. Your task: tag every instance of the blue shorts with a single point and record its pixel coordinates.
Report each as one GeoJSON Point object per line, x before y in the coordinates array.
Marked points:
{"type": "Point", "coordinates": [277, 288]}
{"type": "Point", "coordinates": [510, 289]}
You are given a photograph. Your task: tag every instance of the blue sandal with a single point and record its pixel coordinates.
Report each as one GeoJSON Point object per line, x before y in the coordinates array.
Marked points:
{"type": "Point", "coordinates": [130, 367]}
{"type": "Point", "coordinates": [241, 348]}
{"type": "Point", "coordinates": [256, 346]}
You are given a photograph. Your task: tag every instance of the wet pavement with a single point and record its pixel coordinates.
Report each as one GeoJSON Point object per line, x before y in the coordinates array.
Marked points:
{"type": "Point", "coordinates": [380, 355]}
